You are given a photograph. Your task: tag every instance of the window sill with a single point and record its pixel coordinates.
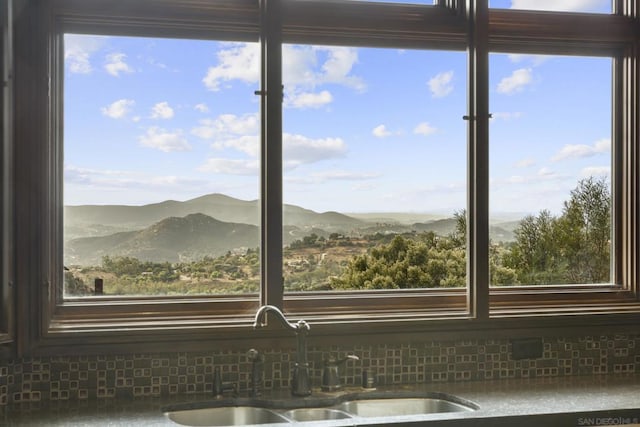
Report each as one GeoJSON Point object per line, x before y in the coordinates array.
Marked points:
{"type": "Point", "coordinates": [206, 332]}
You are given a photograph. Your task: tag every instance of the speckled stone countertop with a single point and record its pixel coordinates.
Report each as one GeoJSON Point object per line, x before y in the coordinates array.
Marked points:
{"type": "Point", "coordinates": [568, 401]}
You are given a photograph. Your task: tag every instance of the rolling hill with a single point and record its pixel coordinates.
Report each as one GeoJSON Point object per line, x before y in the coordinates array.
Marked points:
{"type": "Point", "coordinates": [171, 239]}
{"type": "Point", "coordinates": [212, 225]}
{"type": "Point", "coordinates": [89, 220]}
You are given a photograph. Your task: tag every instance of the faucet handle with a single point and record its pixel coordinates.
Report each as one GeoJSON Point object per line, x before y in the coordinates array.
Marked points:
{"type": "Point", "coordinates": [330, 374]}
{"type": "Point", "coordinates": [331, 361]}
{"type": "Point", "coordinates": [254, 355]}
{"type": "Point", "coordinates": [220, 387]}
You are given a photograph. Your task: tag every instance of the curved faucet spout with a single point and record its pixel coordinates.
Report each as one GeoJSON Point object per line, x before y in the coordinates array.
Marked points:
{"type": "Point", "coordinates": [300, 378]}
{"type": "Point", "coordinates": [259, 321]}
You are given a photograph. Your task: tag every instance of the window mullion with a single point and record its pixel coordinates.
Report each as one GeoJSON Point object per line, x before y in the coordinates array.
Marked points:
{"type": "Point", "coordinates": [6, 172]}
{"type": "Point", "coordinates": [271, 93]}
{"type": "Point", "coordinates": [478, 176]}
{"type": "Point", "coordinates": [627, 185]}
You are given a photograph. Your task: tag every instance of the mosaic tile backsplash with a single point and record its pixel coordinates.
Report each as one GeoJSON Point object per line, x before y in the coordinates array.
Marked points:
{"type": "Point", "coordinates": [166, 374]}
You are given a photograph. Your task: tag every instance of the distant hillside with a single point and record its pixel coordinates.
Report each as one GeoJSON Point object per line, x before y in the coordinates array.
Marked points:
{"type": "Point", "coordinates": [213, 224]}
{"type": "Point", "coordinates": [501, 232]}
{"type": "Point", "coordinates": [219, 206]}
{"type": "Point", "coordinates": [403, 218]}
{"type": "Point", "coordinates": [172, 239]}
{"type": "Point", "coordinates": [327, 221]}
{"type": "Point", "coordinates": [442, 227]}
{"type": "Point", "coordinates": [498, 233]}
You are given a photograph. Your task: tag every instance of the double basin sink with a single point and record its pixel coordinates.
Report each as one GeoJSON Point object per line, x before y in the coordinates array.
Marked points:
{"type": "Point", "coordinates": [347, 409]}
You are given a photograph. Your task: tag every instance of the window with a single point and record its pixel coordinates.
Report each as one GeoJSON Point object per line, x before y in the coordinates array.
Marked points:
{"type": "Point", "coordinates": [384, 185]}
{"type": "Point", "coordinates": [185, 220]}
{"type": "Point", "coordinates": [550, 190]}
{"type": "Point", "coordinates": [400, 154]}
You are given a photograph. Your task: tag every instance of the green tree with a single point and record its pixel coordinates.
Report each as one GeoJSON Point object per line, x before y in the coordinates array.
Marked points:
{"type": "Point", "coordinates": [570, 249]}
{"type": "Point", "coordinates": [74, 285]}
{"type": "Point", "coordinates": [421, 262]}
{"type": "Point", "coordinates": [584, 232]}
{"type": "Point", "coordinates": [459, 235]}
{"type": "Point", "coordinates": [535, 256]}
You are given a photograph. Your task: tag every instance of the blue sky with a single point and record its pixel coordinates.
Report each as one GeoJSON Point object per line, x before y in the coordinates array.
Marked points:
{"type": "Point", "coordinates": [364, 129]}
{"type": "Point", "coordinates": [594, 6]}
{"type": "Point", "coordinates": [591, 6]}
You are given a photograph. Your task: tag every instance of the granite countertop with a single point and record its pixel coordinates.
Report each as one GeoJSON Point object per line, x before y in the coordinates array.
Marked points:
{"type": "Point", "coordinates": [569, 401]}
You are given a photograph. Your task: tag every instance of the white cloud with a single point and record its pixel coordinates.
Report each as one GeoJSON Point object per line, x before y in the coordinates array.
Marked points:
{"type": "Point", "coordinates": [299, 149]}
{"type": "Point", "coordinates": [155, 63]}
{"type": "Point", "coordinates": [535, 60]}
{"type": "Point", "coordinates": [78, 50]}
{"type": "Point", "coordinates": [240, 62]}
{"type": "Point", "coordinates": [558, 5]}
{"type": "Point", "coordinates": [332, 175]}
{"type": "Point", "coordinates": [424, 129]}
{"type": "Point", "coordinates": [248, 144]}
{"type": "Point", "coordinates": [241, 133]}
{"type": "Point", "coordinates": [338, 66]}
{"type": "Point", "coordinates": [298, 66]}
{"type": "Point", "coordinates": [576, 151]}
{"type": "Point", "coordinates": [346, 175]}
{"type": "Point", "coordinates": [227, 126]}
{"type": "Point", "coordinates": [308, 100]}
{"type": "Point", "coordinates": [163, 140]}
{"type": "Point", "coordinates": [506, 115]}
{"type": "Point", "coordinates": [513, 179]}
{"type": "Point", "coordinates": [107, 178]}
{"type": "Point", "coordinates": [525, 163]}
{"type": "Point", "coordinates": [231, 166]}
{"type": "Point", "coordinates": [600, 171]}
{"type": "Point", "coordinates": [162, 110]}
{"type": "Point", "coordinates": [363, 186]}
{"type": "Point", "coordinates": [118, 109]}
{"type": "Point", "coordinates": [602, 145]}
{"type": "Point", "coordinates": [543, 175]}
{"type": "Point", "coordinates": [546, 172]}
{"type": "Point", "coordinates": [380, 131]}
{"type": "Point", "coordinates": [304, 69]}
{"type": "Point", "coordinates": [440, 85]}
{"type": "Point", "coordinates": [516, 81]}
{"type": "Point", "coordinates": [116, 64]}
{"type": "Point", "coordinates": [573, 151]}
{"type": "Point", "coordinates": [202, 108]}
{"type": "Point", "coordinates": [311, 66]}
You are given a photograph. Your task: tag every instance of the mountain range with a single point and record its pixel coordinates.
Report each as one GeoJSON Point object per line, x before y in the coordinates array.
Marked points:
{"type": "Point", "coordinates": [219, 206]}
{"type": "Point", "coordinates": [211, 225]}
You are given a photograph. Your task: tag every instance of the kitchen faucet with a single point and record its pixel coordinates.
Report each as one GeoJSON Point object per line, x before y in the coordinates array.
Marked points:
{"type": "Point", "coordinates": [300, 379]}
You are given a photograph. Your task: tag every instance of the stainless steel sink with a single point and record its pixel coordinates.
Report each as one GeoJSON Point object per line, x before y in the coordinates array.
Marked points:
{"type": "Point", "coordinates": [226, 416]}
{"type": "Point", "coordinates": [349, 412]}
{"type": "Point", "coordinates": [400, 406]}
{"type": "Point", "coordinates": [316, 414]}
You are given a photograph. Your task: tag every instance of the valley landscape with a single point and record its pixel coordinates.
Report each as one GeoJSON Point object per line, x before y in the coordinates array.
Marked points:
{"type": "Point", "coordinates": [215, 224]}
{"type": "Point", "coordinates": [210, 245]}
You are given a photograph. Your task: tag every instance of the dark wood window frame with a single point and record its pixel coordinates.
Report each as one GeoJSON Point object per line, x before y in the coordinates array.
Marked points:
{"type": "Point", "coordinates": [6, 172]}
{"type": "Point", "coordinates": [47, 324]}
